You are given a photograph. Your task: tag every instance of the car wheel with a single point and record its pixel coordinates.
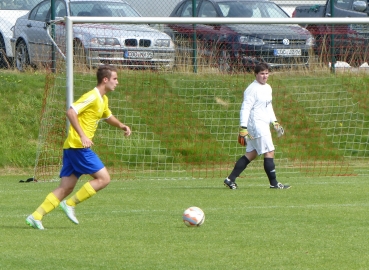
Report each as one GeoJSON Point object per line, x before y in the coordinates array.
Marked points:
{"type": "Point", "coordinates": [79, 54]}
{"type": "Point", "coordinates": [21, 56]}
{"type": "Point", "coordinates": [224, 60]}
{"type": "Point", "coordinates": [3, 59]}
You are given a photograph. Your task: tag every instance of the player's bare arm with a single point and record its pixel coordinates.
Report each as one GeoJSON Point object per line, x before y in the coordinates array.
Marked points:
{"type": "Point", "coordinates": [73, 119]}
{"type": "Point", "coordinates": [112, 120]}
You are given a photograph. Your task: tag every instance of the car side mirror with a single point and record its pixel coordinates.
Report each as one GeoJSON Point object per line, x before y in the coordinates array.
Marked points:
{"type": "Point", "coordinates": [359, 6]}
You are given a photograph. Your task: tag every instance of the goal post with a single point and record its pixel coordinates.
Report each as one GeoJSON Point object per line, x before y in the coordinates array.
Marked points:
{"type": "Point", "coordinates": [185, 124]}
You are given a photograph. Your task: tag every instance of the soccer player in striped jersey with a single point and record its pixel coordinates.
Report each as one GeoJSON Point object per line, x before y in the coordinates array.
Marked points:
{"type": "Point", "coordinates": [256, 115]}
{"type": "Point", "coordinates": [78, 157]}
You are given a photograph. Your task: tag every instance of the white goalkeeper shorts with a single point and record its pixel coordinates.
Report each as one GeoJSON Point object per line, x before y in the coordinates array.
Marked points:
{"type": "Point", "coordinates": [262, 145]}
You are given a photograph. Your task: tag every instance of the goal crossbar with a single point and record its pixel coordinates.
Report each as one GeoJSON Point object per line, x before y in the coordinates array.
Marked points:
{"type": "Point", "coordinates": [216, 20]}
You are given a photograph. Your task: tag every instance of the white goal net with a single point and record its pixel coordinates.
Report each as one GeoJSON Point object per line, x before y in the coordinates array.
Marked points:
{"type": "Point", "coordinates": [184, 113]}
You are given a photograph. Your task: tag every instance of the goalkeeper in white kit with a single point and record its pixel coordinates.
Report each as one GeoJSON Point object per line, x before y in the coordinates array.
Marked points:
{"type": "Point", "coordinates": [256, 116]}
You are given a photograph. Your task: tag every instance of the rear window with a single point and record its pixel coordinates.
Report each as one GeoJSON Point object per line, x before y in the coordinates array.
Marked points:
{"type": "Point", "coordinates": [18, 4]}
{"type": "Point", "coordinates": [102, 9]}
{"type": "Point", "coordinates": [251, 9]}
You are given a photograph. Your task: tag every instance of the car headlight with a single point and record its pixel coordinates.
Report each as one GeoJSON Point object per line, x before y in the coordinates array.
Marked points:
{"type": "Point", "coordinates": [162, 42]}
{"type": "Point", "coordinates": [310, 41]}
{"type": "Point", "coordinates": [251, 40]}
{"type": "Point", "coordinates": [104, 41]}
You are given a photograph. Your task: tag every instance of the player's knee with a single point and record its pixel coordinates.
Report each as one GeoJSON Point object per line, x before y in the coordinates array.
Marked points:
{"type": "Point", "coordinates": [269, 154]}
{"type": "Point", "coordinates": [105, 180]}
{"type": "Point", "coordinates": [102, 179]}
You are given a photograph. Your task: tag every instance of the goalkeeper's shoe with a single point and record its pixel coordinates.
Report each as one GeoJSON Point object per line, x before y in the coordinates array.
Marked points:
{"type": "Point", "coordinates": [69, 211]}
{"type": "Point", "coordinates": [230, 184]}
{"type": "Point", "coordinates": [37, 224]}
{"type": "Point", "coordinates": [280, 186]}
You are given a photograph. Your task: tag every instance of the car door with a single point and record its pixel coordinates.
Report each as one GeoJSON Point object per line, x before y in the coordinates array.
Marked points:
{"type": "Point", "coordinates": [36, 33]}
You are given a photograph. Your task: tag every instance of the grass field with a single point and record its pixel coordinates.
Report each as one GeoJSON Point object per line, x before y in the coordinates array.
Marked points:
{"type": "Point", "coordinates": [320, 223]}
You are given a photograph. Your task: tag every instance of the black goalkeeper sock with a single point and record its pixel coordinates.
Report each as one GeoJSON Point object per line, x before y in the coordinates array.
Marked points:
{"type": "Point", "coordinates": [269, 168]}
{"type": "Point", "coordinates": [239, 167]}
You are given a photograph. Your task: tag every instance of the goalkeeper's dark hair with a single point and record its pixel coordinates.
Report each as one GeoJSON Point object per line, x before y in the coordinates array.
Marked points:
{"type": "Point", "coordinates": [104, 71]}
{"type": "Point", "coordinates": [261, 67]}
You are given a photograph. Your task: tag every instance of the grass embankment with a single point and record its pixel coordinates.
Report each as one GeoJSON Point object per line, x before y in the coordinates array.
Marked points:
{"type": "Point", "coordinates": [193, 118]}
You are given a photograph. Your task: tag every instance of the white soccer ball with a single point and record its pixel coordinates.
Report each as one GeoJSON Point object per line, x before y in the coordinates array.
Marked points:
{"type": "Point", "coordinates": [193, 216]}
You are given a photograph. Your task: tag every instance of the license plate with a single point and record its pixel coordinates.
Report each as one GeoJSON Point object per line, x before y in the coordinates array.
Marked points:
{"type": "Point", "coordinates": [138, 54]}
{"type": "Point", "coordinates": [287, 52]}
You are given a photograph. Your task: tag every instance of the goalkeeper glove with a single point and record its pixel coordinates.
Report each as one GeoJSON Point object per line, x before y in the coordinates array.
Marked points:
{"type": "Point", "coordinates": [278, 128]}
{"type": "Point", "coordinates": [243, 135]}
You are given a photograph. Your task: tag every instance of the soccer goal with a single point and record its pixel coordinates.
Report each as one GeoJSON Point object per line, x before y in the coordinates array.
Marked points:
{"type": "Point", "coordinates": [185, 120]}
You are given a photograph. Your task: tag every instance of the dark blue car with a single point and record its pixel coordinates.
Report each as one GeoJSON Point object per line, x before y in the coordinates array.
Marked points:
{"type": "Point", "coordinates": [235, 46]}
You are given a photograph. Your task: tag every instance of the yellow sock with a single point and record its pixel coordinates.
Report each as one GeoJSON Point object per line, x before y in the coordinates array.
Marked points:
{"type": "Point", "coordinates": [81, 195]}
{"type": "Point", "coordinates": [49, 204]}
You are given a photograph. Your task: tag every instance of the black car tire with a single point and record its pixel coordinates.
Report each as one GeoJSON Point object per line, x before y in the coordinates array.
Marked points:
{"type": "Point", "coordinates": [21, 56]}
{"type": "Point", "coordinates": [79, 54]}
{"type": "Point", "coordinates": [224, 60]}
{"type": "Point", "coordinates": [4, 63]}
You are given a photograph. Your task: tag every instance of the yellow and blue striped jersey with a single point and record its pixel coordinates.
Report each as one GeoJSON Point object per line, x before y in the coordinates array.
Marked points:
{"type": "Point", "coordinates": [90, 108]}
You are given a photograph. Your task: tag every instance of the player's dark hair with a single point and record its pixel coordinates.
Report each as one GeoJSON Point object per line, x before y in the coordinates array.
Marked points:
{"type": "Point", "coordinates": [261, 67]}
{"type": "Point", "coordinates": [104, 71]}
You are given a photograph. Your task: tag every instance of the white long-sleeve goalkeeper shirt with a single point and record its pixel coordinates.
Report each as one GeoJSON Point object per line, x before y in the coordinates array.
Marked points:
{"type": "Point", "coordinates": [257, 110]}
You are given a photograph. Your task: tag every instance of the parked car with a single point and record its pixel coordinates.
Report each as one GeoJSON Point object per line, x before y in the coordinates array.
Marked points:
{"type": "Point", "coordinates": [10, 11]}
{"type": "Point", "coordinates": [350, 41]}
{"type": "Point", "coordinates": [120, 44]}
{"type": "Point", "coordinates": [242, 44]}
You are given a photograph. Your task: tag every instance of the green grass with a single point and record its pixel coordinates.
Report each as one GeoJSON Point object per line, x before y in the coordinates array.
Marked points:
{"type": "Point", "coordinates": [20, 110]}
{"type": "Point", "coordinates": [320, 223]}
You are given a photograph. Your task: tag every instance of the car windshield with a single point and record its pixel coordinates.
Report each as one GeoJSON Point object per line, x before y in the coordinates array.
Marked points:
{"type": "Point", "coordinates": [102, 9]}
{"type": "Point", "coordinates": [18, 4]}
{"type": "Point", "coordinates": [248, 9]}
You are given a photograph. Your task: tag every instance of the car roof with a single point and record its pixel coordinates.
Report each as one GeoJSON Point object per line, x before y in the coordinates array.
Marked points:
{"type": "Point", "coordinates": [116, 1]}
{"type": "Point", "coordinates": [240, 1]}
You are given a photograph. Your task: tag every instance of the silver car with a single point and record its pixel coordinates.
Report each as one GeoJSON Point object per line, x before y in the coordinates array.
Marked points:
{"type": "Point", "coordinates": [10, 11]}
{"type": "Point", "coordinates": [129, 45]}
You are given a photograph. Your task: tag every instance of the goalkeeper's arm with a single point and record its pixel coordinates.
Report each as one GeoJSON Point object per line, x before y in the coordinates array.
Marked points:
{"type": "Point", "coordinates": [278, 128]}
